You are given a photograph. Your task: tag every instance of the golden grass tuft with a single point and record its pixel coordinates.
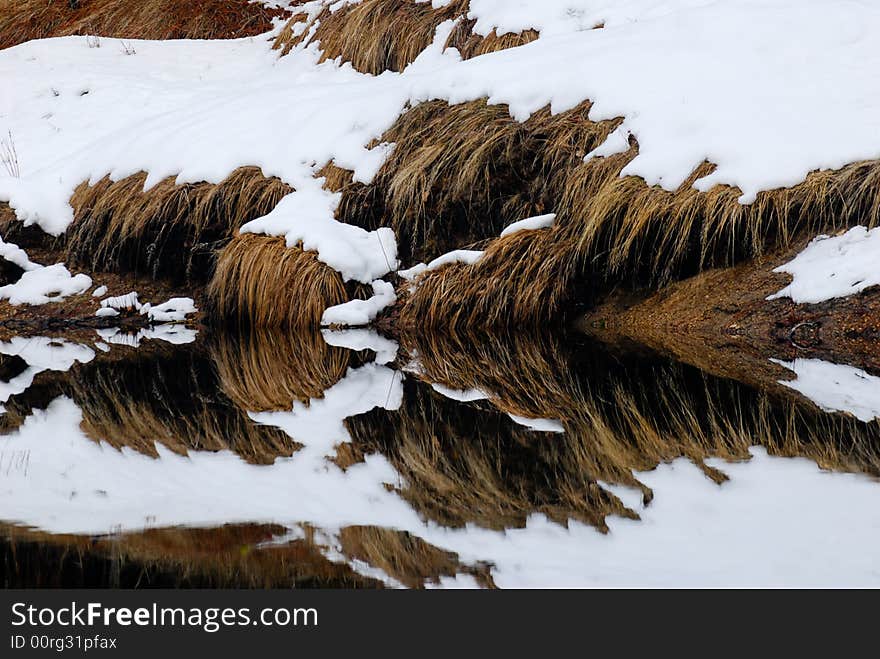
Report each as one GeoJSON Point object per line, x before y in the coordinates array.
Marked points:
{"type": "Point", "coordinates": [171, 231]}
{"type": "Point", "coordinates": [514, 284]}
{"type": "Point", "coordinates": [470, 45]}
{"type": "Point", "coordinates": [461, 173]}
{"type": "Point", "coordinates": [24, 20]}
{"type": "Point", "coordinates": [398, 33]}
{"type": "Point", "coordinates": [267, 371]}
{"type": "Point", "coordinates": [260, 282]}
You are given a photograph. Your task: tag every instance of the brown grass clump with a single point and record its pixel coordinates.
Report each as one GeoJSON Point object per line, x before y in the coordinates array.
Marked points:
{"type": "Point", "coordinates": [267, 371]}
{"type": "Point", "coordinates": [460, 174]}
{"type": "Point", "coordinates": [171, 396]}
{"type": "Point", "coordinates": [470, 45]}
{"type": "Point", "coordinates": [24, 20]}
{"type": "Point", "coordinates": [260, 282]}
{"type": "Point", "coordinates": [398, 32]}
{"type": "Point", "coordinates": [514, 284]}
{"type": "Point", "coordinates": [170, 231]}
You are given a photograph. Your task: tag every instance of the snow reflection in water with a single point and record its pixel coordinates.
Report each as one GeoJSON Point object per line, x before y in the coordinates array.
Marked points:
{"type": "Point", "coordinates": [274, 460]}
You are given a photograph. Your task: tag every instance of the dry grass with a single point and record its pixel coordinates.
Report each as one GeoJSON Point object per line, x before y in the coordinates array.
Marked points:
{"type": "Point", "coordinates": [266, 371]}
{"type": "Point", "coordinates": [24, 20]}
{"type": "Point", "coordinates": [470, 45]}
{"type": "Point", "coordinates": [173, 397]}
{"type": "Point", "coordinates": [374, 35]}
{"type": "Point", "coordinates": [171, 231]}
{"type": "Point", "coordinates": [260, 282]}
{"type": "Point", "coordinates": [398, 32]}
{"type": "Point", "coordinates": [515, 284]}
{"type": "Point", "coordinates": [461, 173]}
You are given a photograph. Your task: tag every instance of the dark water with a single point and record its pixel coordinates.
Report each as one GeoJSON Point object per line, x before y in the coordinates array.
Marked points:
{"type": "Point", "coordinates": [280, 460]}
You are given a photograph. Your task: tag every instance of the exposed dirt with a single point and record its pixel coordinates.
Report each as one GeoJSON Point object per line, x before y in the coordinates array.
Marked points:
{"type": "Point", "coordinates": [722, 322]}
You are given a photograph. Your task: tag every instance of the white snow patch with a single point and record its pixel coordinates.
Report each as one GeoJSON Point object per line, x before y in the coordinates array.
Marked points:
{"type": "Point", "coordinates": [833, 267]}
{"type": "Point", "coordinates": [835, 387]}
{"type": "Point", "coordinates": [460, 395]}
{"type": "Point", "coordinates": [357, 313]}
{"type": "Point", "coordinates": [530, 224]}
{"type": "Point", "coordinates": [15, 254]}
{"type": "Point", "coordinates": [363, 339]}
{"type": "Point", "coordinates": [539, 425]}
{"type": "Point", "coordinates": [174, 310]}
{"type": "Point", "coordinates": [127, 302]}
{"type": "Point", "coordinates": [45, 284]}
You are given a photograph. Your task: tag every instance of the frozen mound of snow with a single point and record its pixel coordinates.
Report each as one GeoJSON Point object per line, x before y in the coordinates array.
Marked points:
{"type": "Point", "coordinates": [45, 284]}
{"type": "Point", "coordinates": [833, 267]}
{"type": "Point", "coordinates": [174, 310]}
{"type": "Point", "coordinates": [358, 313]}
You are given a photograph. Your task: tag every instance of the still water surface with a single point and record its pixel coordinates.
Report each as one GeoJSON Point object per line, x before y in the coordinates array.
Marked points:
{"type": "Point", "coordinates": [177, 458]}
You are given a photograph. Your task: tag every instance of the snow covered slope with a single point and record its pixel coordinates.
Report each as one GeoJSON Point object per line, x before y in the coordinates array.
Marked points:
{"type": "Point", "coordinates": [768, 90]}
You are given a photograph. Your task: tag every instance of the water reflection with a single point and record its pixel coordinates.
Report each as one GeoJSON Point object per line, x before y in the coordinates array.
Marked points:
{"type": "Point", "coordinates": [286, 460]}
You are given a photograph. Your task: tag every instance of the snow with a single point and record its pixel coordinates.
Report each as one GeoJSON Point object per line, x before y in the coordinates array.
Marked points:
{"type": "Point", "coordinates": [777, 522]}
{"type": "Point", "coordinates": [126, 302]}
{"type": "Point", "coordinates": [363, 339]}
{"type": "Point", "coordinates": [174, 310]}
{"type": "Point", "coordinates": [539, 425]}
{"type": "Point", "coordinates": [530, 224]}
{"type": "Point", "coordinates": [45, 284]}
{"type": "Point", "coordinates": [833, 267]}
{"type": "Point", "coordinates": [357, 313]}
{"type": "Point", "coordinates": [460, 395]}
{"type": "Point", "coordinates": [169, 333]}
{"type": "Point", "coordinates": [836, 387]}
{"type": "Point", "coordinates": [40, 354]}
{"type": "Point", "coordinates": [106, 312]}
{"type": "Point", "coordinates": [15, 254]}
{"type": "Point", "coordinates": [552, 17]}
{"type": "Point", "coordinates": [742, 83]}
{"type": "Point", "coordinates": [100, 291]}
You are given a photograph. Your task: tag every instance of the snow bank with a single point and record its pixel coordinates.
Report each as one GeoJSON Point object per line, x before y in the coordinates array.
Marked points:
{"type": "Point", "coordinates": [530, 224]}
{"type": "Point", "coordinates": [45, 284]}
{"type": "Point", "coordinates": [749, 85]}
{"type": "Point", "coordinates": [833, 267]}
{"type": "Point", "coordinates": [357, 313]}
{"type": "Point", "coordinates": [835, 387]}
